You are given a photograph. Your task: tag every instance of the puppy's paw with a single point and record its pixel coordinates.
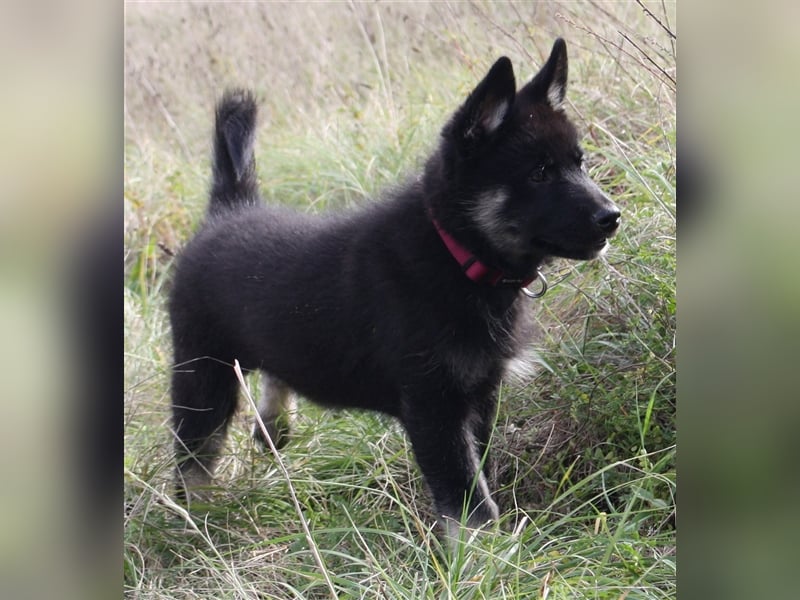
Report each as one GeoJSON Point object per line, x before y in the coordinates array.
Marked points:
{"type": "Point", "coordinates": [278, 430]}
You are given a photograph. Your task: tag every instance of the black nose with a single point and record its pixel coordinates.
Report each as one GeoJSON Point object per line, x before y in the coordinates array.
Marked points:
{"type": "Point", "coordinates": [607, 219]}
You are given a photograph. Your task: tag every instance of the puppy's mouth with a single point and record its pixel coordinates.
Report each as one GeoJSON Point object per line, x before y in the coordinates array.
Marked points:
{"type": "Point", "coordinates": [600, 248]}
{"type": "Point", "coordinates": [587, 252]}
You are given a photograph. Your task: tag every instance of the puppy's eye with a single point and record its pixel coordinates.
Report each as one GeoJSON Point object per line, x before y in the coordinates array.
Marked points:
{"type": "Point", "coordinates": [539, 174]}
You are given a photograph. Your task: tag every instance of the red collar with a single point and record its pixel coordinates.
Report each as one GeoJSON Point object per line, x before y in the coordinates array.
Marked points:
{"type": "Point", "coordinates": [473, 268]}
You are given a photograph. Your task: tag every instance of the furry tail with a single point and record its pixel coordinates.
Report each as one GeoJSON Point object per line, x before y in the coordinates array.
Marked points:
{"type": "Point", "coordinates": [235, 183]}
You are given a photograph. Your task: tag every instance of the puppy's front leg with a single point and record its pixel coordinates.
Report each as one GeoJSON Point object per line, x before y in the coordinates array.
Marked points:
{"type": "Point", "coordinates": [447, 451]}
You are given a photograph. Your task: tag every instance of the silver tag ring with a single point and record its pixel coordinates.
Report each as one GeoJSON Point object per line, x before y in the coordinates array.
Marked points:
{"type": "Point", "coordinates": [541, 292]}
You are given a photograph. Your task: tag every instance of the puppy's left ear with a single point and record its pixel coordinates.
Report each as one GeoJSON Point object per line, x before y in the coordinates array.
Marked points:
{"type": "Point", "coordinates": [550, 83]}
{"type": "Point", "coordinates": [487, 107]}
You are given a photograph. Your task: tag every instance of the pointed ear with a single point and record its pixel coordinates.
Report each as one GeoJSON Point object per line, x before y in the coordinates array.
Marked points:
{"type": "Point", "coordinates": [550, 83]}
{"type": "Point", "coordinates": [487, 106]}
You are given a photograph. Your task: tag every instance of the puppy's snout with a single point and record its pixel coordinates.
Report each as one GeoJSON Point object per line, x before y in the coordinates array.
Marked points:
{"type": "Point", "coordinates": [607, 219]}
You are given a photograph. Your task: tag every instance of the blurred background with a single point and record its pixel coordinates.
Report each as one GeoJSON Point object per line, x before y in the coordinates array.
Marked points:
{"type": "Point", "coordinates": [65, 70]}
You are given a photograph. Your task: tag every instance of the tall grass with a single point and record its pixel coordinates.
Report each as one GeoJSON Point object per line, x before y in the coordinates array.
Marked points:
{"type": "Point", "coordinates": [352, 99]}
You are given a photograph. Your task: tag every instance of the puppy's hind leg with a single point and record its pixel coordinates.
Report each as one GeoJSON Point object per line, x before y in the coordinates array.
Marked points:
{"type": "Point", "coordinates": [204, 397]}
{"type": "Point", "coordinates": [275, 408]}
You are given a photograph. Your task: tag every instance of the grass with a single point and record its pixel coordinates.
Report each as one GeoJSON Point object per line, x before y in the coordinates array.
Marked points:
{"type": "Point", "coordinates": [352, 98]}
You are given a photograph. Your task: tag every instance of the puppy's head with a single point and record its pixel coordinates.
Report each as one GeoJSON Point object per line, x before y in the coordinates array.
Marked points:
{"type": "Point", "coordinates": [515, 170]}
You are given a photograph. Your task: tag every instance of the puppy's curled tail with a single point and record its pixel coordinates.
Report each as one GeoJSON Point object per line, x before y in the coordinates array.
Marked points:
{"type": "Point", "coordinates": [235, 183]}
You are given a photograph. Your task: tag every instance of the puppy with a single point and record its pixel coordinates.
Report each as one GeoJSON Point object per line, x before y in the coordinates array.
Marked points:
{"type": "Point", "coordinates": [411, 306]}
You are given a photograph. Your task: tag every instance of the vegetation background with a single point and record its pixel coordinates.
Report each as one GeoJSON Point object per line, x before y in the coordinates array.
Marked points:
{"type": "Point", "coordinates": [352, 98]}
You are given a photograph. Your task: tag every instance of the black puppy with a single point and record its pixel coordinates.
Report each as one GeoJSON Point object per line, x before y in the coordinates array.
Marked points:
{"type": "Point", "coordinates": [411, 306]}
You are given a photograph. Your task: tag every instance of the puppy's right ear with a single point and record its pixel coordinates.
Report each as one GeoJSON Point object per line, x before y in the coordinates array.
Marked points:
{"type": "Point", "coordinates": [487, 107]}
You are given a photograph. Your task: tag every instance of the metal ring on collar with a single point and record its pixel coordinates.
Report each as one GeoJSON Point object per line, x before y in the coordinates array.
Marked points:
{"type": "Point", "coordinates": [542, 291]}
